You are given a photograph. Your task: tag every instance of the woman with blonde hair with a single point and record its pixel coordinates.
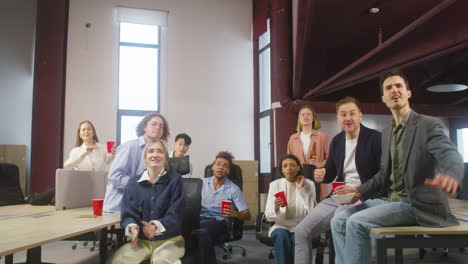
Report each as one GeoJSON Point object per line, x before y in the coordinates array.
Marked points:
{"type": "Point", "coordinates": [309, 144]}
{"type": "Point", "coordinates": [151, 214]}
{"type": "Point", "coordinates": [88, 153]}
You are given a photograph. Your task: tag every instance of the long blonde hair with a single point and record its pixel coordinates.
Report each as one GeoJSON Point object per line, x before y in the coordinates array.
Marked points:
{"type": "Point", "coordinates": [315, 121]}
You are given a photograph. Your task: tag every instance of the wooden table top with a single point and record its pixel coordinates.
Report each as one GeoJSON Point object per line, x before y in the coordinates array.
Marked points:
{"type": "Point", "coordinates": [13, 211]}
{"type": "Point", "coordinates": [459, 209]}
{"type": "Point", "coordinates": [31, 231]}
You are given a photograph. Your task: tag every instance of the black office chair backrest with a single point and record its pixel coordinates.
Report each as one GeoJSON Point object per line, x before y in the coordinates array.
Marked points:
{"type": "Point", "coordinates": [191, 217]}
{"type": "Point", "coordinates": [235, 174]}
{"type": "Point", "coordinates": [10, 190]}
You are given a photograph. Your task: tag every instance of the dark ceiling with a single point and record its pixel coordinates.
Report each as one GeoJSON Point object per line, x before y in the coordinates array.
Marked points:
{"type": "Point", "coordinates": [345, 48]}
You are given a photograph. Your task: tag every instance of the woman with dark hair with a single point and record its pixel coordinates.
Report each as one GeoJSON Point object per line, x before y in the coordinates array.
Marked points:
{"type": "Point", "coordinates": [290, 198]}
{"type": "Point", "coordinates": [129, 158]}
{"type": "Point", "coordinates": [88, 153]}
{"type": "Point", "coordinates": [152, 208]}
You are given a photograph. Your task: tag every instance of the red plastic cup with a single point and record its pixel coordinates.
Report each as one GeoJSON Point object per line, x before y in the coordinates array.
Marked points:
{"type": "Point", "coordinates": [336, 184]}
{"type": "Point", "coordinates": [97, 206]}
{"type": "Point", "coordinates": [282, 196]}
{"type": "Point", "coordinates": [110, 146]}
{"type": "Point", "coordinates": [225, 204]}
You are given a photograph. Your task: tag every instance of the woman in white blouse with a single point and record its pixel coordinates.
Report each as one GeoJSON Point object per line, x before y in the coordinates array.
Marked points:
{"type": "Point", "coordinates": [88, 153]}
{"type": "Point", "coordinates": [300, 198]}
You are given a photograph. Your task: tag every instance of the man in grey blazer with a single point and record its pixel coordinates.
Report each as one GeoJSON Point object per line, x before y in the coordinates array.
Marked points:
{"type": "Point", "coordinates": [418, 164]}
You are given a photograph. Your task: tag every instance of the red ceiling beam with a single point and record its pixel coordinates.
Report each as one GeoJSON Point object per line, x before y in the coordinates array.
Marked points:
{"type": "Point", "coordinates": [324, 87]}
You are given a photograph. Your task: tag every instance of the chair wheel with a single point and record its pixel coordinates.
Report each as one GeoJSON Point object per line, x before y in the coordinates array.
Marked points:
{"type": "Point", "coordinates": [444, 254]}
{"type": "Point", "coordinates": [85, 243]}
{"type": "Point", "coordinates": [270, 256]}
{"type": "Point", "coordinates": [74, 247]}
{"type": "Point", "coordinates": [244, 254]}
{"type": "Point", "coordinates": [91, 249]}
{"type": "Point", "coordinates": [225, 257]}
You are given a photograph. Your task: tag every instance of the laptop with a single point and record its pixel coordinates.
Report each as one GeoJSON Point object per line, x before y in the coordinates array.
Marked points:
{"type": "Point", "coordinates": [76, 188]}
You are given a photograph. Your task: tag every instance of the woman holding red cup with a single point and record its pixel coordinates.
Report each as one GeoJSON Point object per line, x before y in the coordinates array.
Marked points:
{"type": "Point", "coordinates": [88, 153]}
{"type": "Point", "coordinates": [290, 198]}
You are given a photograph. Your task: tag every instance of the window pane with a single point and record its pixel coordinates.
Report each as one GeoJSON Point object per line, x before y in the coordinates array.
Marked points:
{"type": "Point", "coordinates": [265, 153]}
{"type": "Point", "coordinates": [265, 80]}
{"type": "Point", "coordinates": [128, 126]}
{"type": "Point", "coordinates": [137, 33]}
{"type": "Point", "coordinates": [462, 140]}
{"type": "Point", "coordinates": [264, 39]}
{"type": "Point", "coordinates": [138, 78]}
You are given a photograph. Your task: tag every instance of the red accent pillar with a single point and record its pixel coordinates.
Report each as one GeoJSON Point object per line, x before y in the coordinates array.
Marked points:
{"type": "Point", "coordinates": [283, 121]}
{"type": "Point", "coordinates": [49, 93]}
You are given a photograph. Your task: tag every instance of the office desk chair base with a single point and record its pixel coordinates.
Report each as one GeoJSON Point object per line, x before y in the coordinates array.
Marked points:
{"type": "Point", "coordinates": [227, 248]}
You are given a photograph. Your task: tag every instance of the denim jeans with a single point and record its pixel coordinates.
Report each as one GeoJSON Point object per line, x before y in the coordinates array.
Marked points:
{"type": "Point", "coordinates": [283, 241]}
{"type": "Point", "coordinates": [351, 228]}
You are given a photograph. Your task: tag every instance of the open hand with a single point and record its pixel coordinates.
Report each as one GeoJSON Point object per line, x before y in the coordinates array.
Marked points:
{"type": "Point", "coordinates": [444, 182]}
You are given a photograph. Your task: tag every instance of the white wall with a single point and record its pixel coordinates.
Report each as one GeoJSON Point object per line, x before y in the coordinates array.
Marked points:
{"type": "Point", "coordinates": [209, 78]}
{"type": "Point", "coordinates": [17, 26]}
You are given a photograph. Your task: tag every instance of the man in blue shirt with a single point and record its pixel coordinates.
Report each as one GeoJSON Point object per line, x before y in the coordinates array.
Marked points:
{"type": "Point", "coordinates": [129, 161]}
{"type": "Point", "coordinates": [216, 189]}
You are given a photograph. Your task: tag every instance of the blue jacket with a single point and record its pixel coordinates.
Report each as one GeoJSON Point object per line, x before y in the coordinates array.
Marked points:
{"type": "Point", "coordinates": [162, 201]}
{"type": "Point", "coordinates": [368, 151]}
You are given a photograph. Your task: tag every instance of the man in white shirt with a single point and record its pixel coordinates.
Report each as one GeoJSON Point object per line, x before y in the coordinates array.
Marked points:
{"type": "Point", "coordinates": [354, 158]}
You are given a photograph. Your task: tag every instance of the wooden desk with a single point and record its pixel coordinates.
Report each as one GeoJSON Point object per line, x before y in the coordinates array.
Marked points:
{"type": "Point", "coordinates": [32, 231]}
{"type": "Point", "coordinates": [400, 237]}
{"type": "Point", "coordinates": [14, 211]}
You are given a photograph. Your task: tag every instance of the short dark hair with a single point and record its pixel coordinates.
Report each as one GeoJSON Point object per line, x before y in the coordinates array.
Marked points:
{"type": "Point", "coordinates": [289, 156]}
{"type": "Point", "coordinates": [225, 155]}
{"type": "Point", "coordinates": [347, 100]}
{"type": "Point", "coordinates": [187, 139]}
{"type": "Point", "coordinates": [141, 126]}
{"type": "Point", "coordinates": [384, 76]}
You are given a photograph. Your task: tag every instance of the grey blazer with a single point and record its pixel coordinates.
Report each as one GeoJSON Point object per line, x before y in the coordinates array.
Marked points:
{"type": "Point", "coordinates": [427, 151]}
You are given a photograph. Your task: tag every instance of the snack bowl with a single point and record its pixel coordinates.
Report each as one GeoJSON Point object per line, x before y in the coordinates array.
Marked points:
{"type": "Point", "coordinates": [343, 199]}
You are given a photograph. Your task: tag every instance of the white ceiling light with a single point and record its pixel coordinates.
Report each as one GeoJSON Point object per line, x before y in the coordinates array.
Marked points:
{"type": "Point", "coordinates": [447, 88]}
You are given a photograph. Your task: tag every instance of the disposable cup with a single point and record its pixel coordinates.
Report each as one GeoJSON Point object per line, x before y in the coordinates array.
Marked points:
{"type": "Point", "coordinates": [97, 206]}
{"type": "Point", "coordinates": [225, 204]}
{"type": "Point", "coordinates": [282, 196]}
{"type": "Point", "coordinates": [110, 146]}
{"type": "Point", "coordinates": [336, 184]}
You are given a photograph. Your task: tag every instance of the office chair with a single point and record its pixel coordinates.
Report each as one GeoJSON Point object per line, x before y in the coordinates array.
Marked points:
{"type": "Point", "coordinates": [10, 189]}
{"type": "Point", "coordinates": [234, 226]}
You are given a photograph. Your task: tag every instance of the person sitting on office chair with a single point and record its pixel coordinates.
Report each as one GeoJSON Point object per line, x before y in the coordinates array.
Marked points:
{"type": "Point", "coordinates": [299, 198]}
{"type": "Point", "coordinates": [215, 190]}
{"type": "Point", "coordinates": [152, 208]}
{"type": "Point", "coordinates": [181, 147]}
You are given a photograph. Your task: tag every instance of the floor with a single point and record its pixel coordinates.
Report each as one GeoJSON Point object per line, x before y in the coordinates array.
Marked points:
{"type": "Point", "coordinates": [62, 252]}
